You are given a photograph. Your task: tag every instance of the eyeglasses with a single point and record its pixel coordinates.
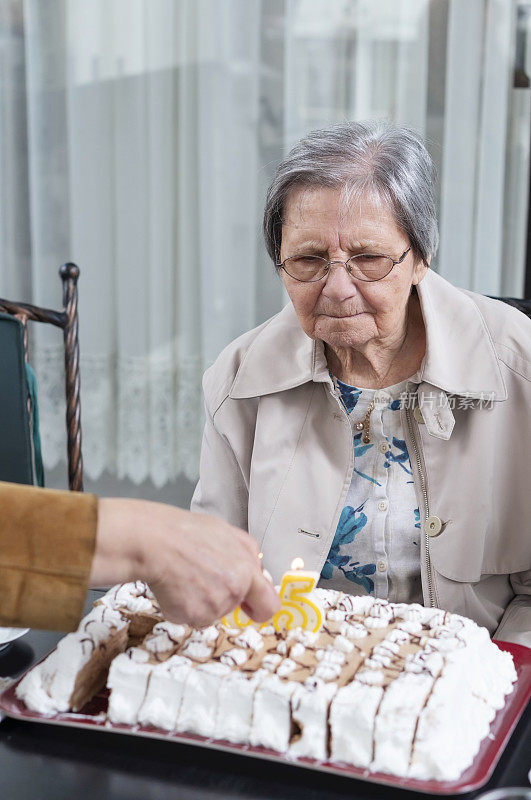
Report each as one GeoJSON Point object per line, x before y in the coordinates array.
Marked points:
{"type": "Point", "coordinates": [363, 267]}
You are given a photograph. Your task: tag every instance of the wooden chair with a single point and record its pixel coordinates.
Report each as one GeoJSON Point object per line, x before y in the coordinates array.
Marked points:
{"type": "Point", "coordinates": [67, 319]}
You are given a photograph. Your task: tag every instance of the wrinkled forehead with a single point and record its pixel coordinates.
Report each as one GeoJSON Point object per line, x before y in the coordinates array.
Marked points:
{"type": "Point", "coordinates": [322, 209]}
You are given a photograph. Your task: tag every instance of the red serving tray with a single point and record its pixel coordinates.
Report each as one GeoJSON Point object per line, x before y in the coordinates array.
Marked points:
{"type": "Point", "coordinates": [474, 777]}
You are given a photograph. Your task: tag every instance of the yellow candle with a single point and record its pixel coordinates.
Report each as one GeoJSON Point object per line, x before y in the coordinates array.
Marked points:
{"type": "Point", "coordinates": [300, 606]}
{"type": "Point", "coordinates": [239, 619]}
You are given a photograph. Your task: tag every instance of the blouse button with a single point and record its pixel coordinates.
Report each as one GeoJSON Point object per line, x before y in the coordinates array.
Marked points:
{"type": "Point", "coordinates": [433, 526]}
{"type": "Point", "coordinates": [382, 505]}
{"type": "Point", "coordinates": [382, 566]}
{"type": "Point", "coordinates": [384, 447]}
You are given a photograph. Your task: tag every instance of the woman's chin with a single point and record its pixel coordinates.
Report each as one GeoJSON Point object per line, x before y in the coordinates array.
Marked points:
{"type": "Point", "coordinates": [342, 335]}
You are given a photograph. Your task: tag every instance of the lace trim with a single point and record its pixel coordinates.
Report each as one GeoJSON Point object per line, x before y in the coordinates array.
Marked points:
{"type": "Point", "coordinates": [141, 417]}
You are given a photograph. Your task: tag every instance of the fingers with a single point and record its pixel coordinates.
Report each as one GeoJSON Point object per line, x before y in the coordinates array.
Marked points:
{"type": "Point", "coordinates": [201, 567]}
{"type": "Point", "coordinates": [247, 540]}
{"type": "Point", "coordinates": [261, 601]}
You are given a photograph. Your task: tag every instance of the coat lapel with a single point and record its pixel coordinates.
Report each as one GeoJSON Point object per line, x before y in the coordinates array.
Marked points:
{"type": "Point", "coordinates": [460, 357]}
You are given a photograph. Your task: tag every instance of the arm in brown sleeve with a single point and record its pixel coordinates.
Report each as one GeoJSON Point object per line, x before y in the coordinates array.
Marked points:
{"type": "Point", "coordinates": [47, 541]}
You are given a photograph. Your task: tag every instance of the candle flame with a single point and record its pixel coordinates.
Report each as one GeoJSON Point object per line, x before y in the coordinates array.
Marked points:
{"type": "Point", "coordinates": [297, 563]}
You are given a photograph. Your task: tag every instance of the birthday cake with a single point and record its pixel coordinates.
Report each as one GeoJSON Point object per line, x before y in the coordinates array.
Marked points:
{"type": "Point", "coordinates": [391, 688]}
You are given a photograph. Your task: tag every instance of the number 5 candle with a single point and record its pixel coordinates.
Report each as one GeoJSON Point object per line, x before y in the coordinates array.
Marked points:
{"type": "Point", "coordinates": [300, 604]}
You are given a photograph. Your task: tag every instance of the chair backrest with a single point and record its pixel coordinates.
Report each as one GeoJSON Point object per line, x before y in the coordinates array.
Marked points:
{"type": "Point", "coordinates": [67, 319]}
{"type": "Point", "coordinates": [16, 460]}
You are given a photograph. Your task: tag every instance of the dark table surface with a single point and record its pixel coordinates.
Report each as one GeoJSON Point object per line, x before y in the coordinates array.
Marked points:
{"type": "Point", "coordinates": [44, 761]}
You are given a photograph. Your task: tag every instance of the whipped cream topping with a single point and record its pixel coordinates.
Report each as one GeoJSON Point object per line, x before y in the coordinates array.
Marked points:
{"type": "Point", "coordinates": [174, 630]}
{"type": "Point", "coordinates": [386, 647]}
{"type": "Point", "coordinates": [398, 635]}
{"type": "Point", "coordinates": [330, 656]}
{"type": "Point", "coordinates": [377, 661]}
{"type": "Point", "coordinates": [233, 658]}
{"type": "Point", "coordinates": [376, 622]}
{"type": "Point", "coordinates": [271, 661]}
{"type": "Point", "coordinates": [335, 615]}
{"type": "Point", "coordinates": [208, 635]}
{"type": "Point", "coordinates": [328, 598]}
{"type": "Point", "coordinates": [355, 604]}
{"type": "Point", "coordinates": [297, 650]}
{"type": "Point", "coordinates": [136, 655]}
{"type": "Point", "coordinates": [196, 649]}
{"type": "Point", "coordinates": [136, 597]}
{"type": "Point", "coordinates": [307, 638]}
{"type": "Point", "coordinates": [165, 636]}
{"type": "Point", "coordinates": [371, 677]}
{"type": "Point", "coordinates": [328, 671]}
{"type": "Point", "coordinates": [160, 644]}
{"type": "Point", "coordinates": [410, 626]}
{"type": "Point", "coordinates": [250, 638]}
{"type": "Point", "coordinates": [424, 662]}
{"type": "Point", "coordinates": [411, 613]}
{"type": "Point", "coordinates": [286, 667]}
{"type": "Point", "coordinates": [49, 686]}
{"type": "Point", "coordinates": [353, 630]}
{"type": "Point", "coordinates": [381, 611]}
{"type": "Point", "coordinates": [442, 643]}
{"type": "Point", "coordinates": [343, 643]}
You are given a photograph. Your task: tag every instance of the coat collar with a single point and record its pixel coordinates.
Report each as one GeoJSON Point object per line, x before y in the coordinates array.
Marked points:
{"type": "Point", "coordinates": [460, 357]}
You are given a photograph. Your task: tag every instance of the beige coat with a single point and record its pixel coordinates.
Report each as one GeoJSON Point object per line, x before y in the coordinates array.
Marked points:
{"type": "Point", "coordinates": [277, 455]}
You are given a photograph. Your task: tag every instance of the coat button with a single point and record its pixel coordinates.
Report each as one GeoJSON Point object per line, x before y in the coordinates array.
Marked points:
{"type": "Point", "coordinates": [417, 413]}
{"type": "Point", "coordinates": [433, 526]}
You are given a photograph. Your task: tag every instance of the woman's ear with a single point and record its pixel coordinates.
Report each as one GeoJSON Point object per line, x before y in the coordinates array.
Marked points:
{"type": "Point", "coordinates": [420, 269]}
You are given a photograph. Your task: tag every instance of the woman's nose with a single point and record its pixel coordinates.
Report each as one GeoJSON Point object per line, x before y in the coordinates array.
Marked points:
{"type": "Point", "coordinates": [339, 284]}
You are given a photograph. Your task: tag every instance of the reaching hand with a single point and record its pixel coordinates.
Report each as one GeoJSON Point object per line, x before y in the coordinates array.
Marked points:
{"type": "Point", "coordinates": [198, 566]}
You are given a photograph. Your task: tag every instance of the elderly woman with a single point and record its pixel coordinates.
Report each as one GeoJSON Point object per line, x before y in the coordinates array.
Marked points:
{"type": "Point", "coordinates": [379, 425]}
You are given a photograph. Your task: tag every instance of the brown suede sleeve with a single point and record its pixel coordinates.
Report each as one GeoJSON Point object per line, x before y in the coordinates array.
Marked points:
{"type": "Point", "coordinates": [47, 540]}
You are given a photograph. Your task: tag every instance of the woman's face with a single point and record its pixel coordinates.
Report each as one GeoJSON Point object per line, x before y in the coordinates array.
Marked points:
{"type": "Point", "coordinates": [340, 310]}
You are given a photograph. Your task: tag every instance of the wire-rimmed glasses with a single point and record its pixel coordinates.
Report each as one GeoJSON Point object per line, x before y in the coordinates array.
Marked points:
{"type": "Point", "coordinates": [363, 267]}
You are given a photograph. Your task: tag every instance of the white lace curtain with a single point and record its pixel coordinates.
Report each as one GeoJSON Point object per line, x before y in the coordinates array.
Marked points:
{"type": "Point", "coordinates": [138, 138]}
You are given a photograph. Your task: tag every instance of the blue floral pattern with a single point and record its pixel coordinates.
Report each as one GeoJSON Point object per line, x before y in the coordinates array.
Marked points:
{"type": "Point", "coordinates": [365, 535]}
{"type": "Point", "coordinates": [359, 451]}
{"type": "Point", "coordinates": [351, 522]}
{"type": "Point", "coordinates": [350, 396]}
{"type": "Point", "coordinates": [401, 457]}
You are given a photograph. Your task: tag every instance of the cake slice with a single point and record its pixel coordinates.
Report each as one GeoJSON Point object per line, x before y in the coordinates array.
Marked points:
{"type": "Point", "coordinates": [128, 681]}
{"type": "Point", "coordinates": [395, 726]}
{"type": "Point", "coordinates": [77, 669]}
{"type": "Point", "coordinates": [474, 680]}
{"type": "Point", "coordinates": [310, 705]}
{"type": "Point", "coordinates": [198, 713]}
{"type": "Point", "coordinates": [165, 639]}
{"type": "Point", "coordinates": [235, 710]}
{"type": "Point", "coordinates": [163, 698]}
{"type": "Point", "coordinates": [200, 645]}
{"type": "Point", "coordinates": [352, 716]}
{"type": "Point", "coordinates": [136, 603]}
{"type": "Point", "coordinates": [271, 724]}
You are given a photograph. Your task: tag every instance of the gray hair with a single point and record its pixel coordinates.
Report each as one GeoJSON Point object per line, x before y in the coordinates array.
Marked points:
{"type": "Point", "coordinates": [362, 158]}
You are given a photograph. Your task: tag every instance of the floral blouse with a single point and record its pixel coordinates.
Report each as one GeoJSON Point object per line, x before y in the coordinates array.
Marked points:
{"type": "Point", "coordinates": [376, 547]}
